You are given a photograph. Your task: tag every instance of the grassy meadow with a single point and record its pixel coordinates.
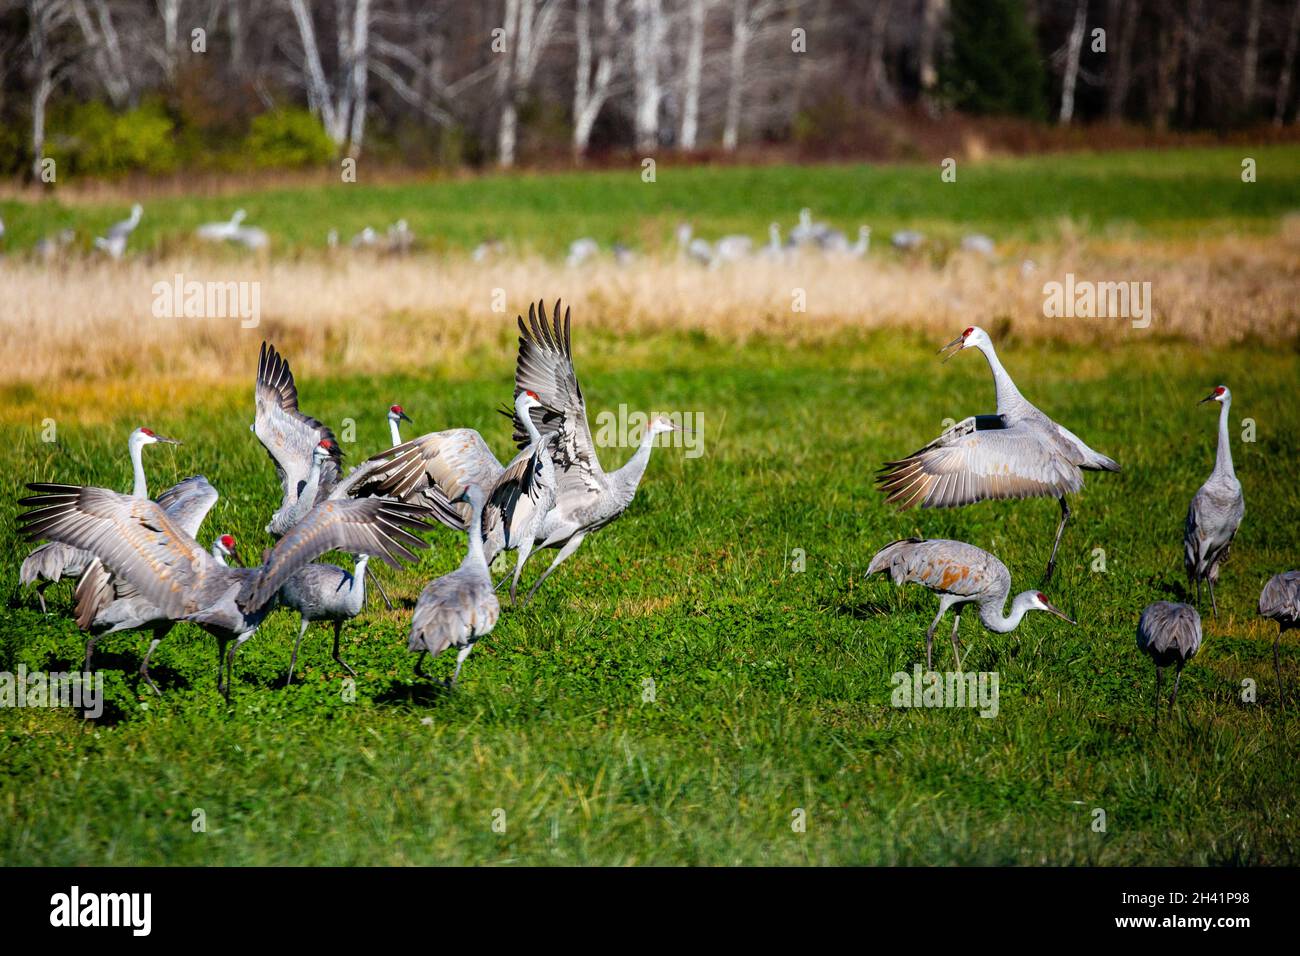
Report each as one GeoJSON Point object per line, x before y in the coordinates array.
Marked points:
{"type": "Point", "coordinates": [733, 586]}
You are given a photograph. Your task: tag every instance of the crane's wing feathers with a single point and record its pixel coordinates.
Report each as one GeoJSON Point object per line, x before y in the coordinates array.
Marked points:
{"type": "Point", "coordinates": [133, 538]}
{"type": "Point", "coordinates": [1169, 631]}
{"type": "Point", "coordinates": [376, 526]}
{"type": "Point", "coordinates": [545, 367]}
{"type": "Point", "coordinates": [289, 437]}
{"type": "Point", "coordinates": [978, 458]}
{"type": "Point", "coordinates": [948, 567]}
{"type": "Point", "coordinates": [1280, 599]}
{"type": "Point", "coordinates": [188, 502]}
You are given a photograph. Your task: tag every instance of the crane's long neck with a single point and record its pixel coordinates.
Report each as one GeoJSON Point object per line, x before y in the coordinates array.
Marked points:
{"type": "Point", "coordinates": [475, 557]}
{"type": "Point", "coordinates": [1223, 460]}
{"type": "Point", "coordinates": [1009, 397]}
{"type": "Point", "coordinates": [534, 436]}
{"type": "Point", "coordinates": [992, 617]}
{"type": "Point", "coordinates": [627, 478]}
{"type": "Point", "coordinates": [307, 497]}
{"type": "Point", "coordinates": [140, 489]}
{"type": "Point", "coordinates": [359, 581]}
{"type": "Point", "coordinates": [395, 431]}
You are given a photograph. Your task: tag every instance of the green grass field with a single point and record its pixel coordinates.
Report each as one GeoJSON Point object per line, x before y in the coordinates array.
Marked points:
{"type": "Point", "coordinates": [772, 686]}
{"type": "Point", "coordinates": [1186, 192]}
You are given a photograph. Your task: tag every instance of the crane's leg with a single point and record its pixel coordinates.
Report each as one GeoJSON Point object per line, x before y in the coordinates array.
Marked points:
{"type": "Point", "coordinates": [1277, 669]}
{"type": "Point", "coordinates": [222, 642]}
{"type": "Point", "coordinates": [158, 634]}
{"type": "Point", "coordinates": [230, 660]}
{"type": "Point", "coordinates": [570, 546]}
{"type": "Point", "coordinates": [1213, 603]}
{"type": "Point", "coordinates": [374, 579]}
{"type": "Point", "coordinates": [1178, 676]}
{"type": "Point", "coordinates": [929, 638]}
{"type": "Point", "coordinates": [1060, 530]}
{"type": "Point", "coordinates": [521, 558]}
{"type": "Point", "coordinates": [956, 650]}
{"type": "Point", "coordinates": [460, 659]}
{"type": "Point", "coordinates": [293, 658]}
{"type": "Point", "coordinates": [40, 595]}
{"type": "Point", "coordinates": [90, 651]}
{"type": "Point", "coordinates": [1157, 711]}
{"type": "Point", "coordinates": [338, 630]}
{"type": "Point", "coordinates": [1198, 590]}
{"type": "Point", "coordinates": [419, 665]}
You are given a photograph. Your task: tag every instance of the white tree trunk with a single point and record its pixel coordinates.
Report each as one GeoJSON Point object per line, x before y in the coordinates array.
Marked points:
{"type": "Point", "coordinates": [740, 32]}
{"type": "Point", "coordinates": [1288, 67]}
{"type": "Point", "coordinates": [694, 74]}
{"type": "Point", "coordinates": [647, 40]}
{"type": "Point", "coordinates": [1073, 48]}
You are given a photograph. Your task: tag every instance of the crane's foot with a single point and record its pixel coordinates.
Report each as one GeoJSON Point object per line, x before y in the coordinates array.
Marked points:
{"type": "Point", "coordinates": [346, 666]}
{"type": "Point", "coordinates": [144, 672]}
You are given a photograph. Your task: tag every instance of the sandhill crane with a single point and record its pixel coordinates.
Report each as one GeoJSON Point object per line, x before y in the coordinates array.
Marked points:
{"type": "Point", "coordinates": [50, 562]}
{"type": "Point", "coordinates": [773, 250]}
{"type": "Point", "coordinates": [251, 237]}
{"type": "Point", "coordinates": [487, 249]}
{"type": "Point", "coordinates": [581, 250]}
{"type": "Point", "coordinates": [400, 238]}
{"type": "Point", "coordinates": [519, 494]}
{"type": "Point", "coordinates": [396, 415]}
{"type": "Point", "coordinates": [325, 592]}
{"type": "Point", "coordinates": [221, 231]}
{"type": "Point", "coordinates": [691, 248]}
{"type": "Point", "coordinates": [365, 239]}
{"type": "Point", "coordinates": [135, 540]}
{"type": "Point", "coordinates": [907, 239]}
{"type": "Point", "coordinates": [1280, 601]}
{"type": "Point", "coordinates": [979, 244]}
{"type": "Point", "coordinates": [115, 240]}
{"type": "Point", "coordinates": [1215, 512]}
{"type": "Point", "coordinates": [48, 249]}
{"type": "Point", "coordinates": [587, 497]}
{"type": "Point", "coordinates": [732, 248]}
{"type": "Point", "coordinates": [1169, 633]}
{"type": "Point", "coordinates": [959, 574]}
{"type": "Point", "coordinates": [332, 239]}
{"type": "Point", "coordinates": [862, 246]}
{"type": "Point", "coordinates": [1017, 453]}
{"type": "Point", "coordinates": [808, 232]}
{"type": "Point", "coordinates": [459, 608]}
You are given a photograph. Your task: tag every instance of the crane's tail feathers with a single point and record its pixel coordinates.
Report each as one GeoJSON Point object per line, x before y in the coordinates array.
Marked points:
{"type": "Point", "coordinates": [884, 558]}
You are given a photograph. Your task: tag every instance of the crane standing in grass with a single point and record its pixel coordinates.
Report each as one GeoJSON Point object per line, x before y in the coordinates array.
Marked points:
{"type": "Point", "coordinates": [325, 592]}
{"type": "Point", "coordinates": [459, 608]}
{"type": "Point", "coordinates": [959, 574]}
{"type": "Point", "coordinates": [1216, 510]}
{"type": "Point", "coordinates": [1169, 634]}
{"type": "Point", "coordinates": [1280, 601]}
{"type": "Point", "coordinates": [1017, 453]}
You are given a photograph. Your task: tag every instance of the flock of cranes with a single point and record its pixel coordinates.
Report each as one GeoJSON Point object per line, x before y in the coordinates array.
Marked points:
{"type": "Point", "coordinates": [807, 235]}
{"type": "Point", "coordinates": [1020, 452]}
{"type": "Point", "coordinates": [141, 567]}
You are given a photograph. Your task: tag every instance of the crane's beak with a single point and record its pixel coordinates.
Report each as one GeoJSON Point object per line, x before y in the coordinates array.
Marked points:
{"type": "Point", "coordinates": [1208, 398]}
{"type": "Point", "coordinates": [405, 417]}
{"type": "Point", "coordinates": [953, 347]}
{"type": "Point", "coordinates": [1059, 613]}
{"type": "Point", "coordinates": [167, 441]}
{"type": "Point", "coordinates": [234, 559]}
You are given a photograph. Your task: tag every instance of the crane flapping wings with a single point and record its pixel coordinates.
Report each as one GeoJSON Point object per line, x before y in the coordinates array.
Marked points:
{"type": "Point", "coordinates": [545, 367]}
{"type": "Point", "coordinates": [981, 457]}
{"type": "Point", "coordinates": [133, 538]}
{"type": "Point", "coordinates": [376, 526]}
{"type": "Point", "coordinates": [289, 436]}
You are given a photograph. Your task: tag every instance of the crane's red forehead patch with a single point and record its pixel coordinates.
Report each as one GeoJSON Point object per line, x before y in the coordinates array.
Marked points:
{"type": "Point", "coordinates": [969, 330]}
{"type": "Point", "coordinates": [1220, 390]}
{"type": "Point", "coordinates": [326, 443]}
{"type": "Point", "coordinates": [147, 431]}
{"type": "Point", "coordinates": [533, 395]}
{"type": "Point", "coordinates": [1042, 597]}
{"type": "Point", "coordinates": [228, 540]}
{"type": "Point", "coordinates": [396, 408]}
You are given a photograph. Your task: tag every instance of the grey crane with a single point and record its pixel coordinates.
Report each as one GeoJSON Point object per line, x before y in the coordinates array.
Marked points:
{"type": "Point", "coordinates": [105, 604]}
{"type": "Point", "coordinates": [1017, 453]}
{"type": "Point", "coordinates": [50, 562]}
{"type": "Point", "coordinates": [959, 574]}
{"type": "Point", "coordinates": [395, 417]}
{"type": "Point", "coordinates": [693, 248]}
{"type": "Point", "coordinates": [221, 231]}
{"type": "Point", "coordinates": [907, 240]}
{"type": "Point", "coordinates": [587, 497]}
{"type": "Point", "coordinates": [459, 608]}
{"type": "Point", "coordinates": [325, 592]}
{"type": "Point", "coordinates": [1280, 601]}
{"type": "Point", "coordinates": [519, 494]}
{"type": "Point", "coordinates": [1216, 510]}
{"type": "Point", "coordinates": [1169, 634]}
{"type": "Point", "coordinates": [137, 541]}
{"type": "Point", "coordinates": [582, 250]}
{"type": "Point", "coordinates": [114, 241]}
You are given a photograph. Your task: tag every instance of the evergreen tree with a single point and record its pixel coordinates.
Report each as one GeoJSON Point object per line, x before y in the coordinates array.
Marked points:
{"type": "Point", "coordinates": [992, 63]}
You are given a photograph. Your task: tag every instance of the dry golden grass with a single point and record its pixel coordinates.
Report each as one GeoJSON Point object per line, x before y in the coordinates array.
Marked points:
{"type": "Point", "coordinates": [88, 324]}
